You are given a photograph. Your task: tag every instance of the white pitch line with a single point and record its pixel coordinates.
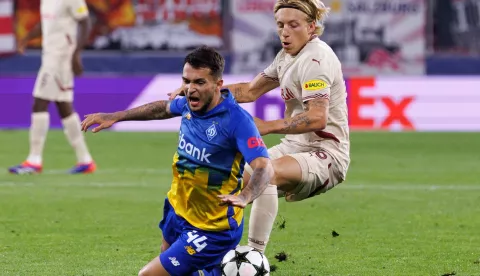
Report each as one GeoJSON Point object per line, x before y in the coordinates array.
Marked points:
{"type": "Point", "coordinates": [143, 183]}
{"type": "Point", "coordinates": [110, 171]}
{"type": "Point", "coordinates": [83, 183]}
{"type": "Point", "coordinates": [409, 187]}
{"type": "Point", "coordinates": [11, 183]}
{"type": "Point", "coordinates": [168, 172]}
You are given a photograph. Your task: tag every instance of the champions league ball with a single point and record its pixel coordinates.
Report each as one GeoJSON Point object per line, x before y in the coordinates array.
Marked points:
{"type": "Point", "coordinates": [245, 261]}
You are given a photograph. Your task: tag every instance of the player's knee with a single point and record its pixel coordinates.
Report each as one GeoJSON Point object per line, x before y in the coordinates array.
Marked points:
{"type": "Point", "coordinates": [147, 272]}
{"type": "Point", "coordinates": [143, 272]}
{"type": "Point", "coordinates": [40, 105]}
{"type": "Point", "coordinates": [65, 109]}
{"type": "Point", "coordinates": [287, 173]}
{"type": "Point", "coordinates": [276, 178]}
{"type": "Point", "coordinates": [279, 173]}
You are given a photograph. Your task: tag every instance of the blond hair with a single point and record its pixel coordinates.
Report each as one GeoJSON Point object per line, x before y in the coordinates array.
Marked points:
{"type": "Point", "coordinates": [315, 10]}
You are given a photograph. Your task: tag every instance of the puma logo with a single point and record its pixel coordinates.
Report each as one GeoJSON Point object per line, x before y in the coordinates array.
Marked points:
{"type": "Point", "coordinates": [317, 61]}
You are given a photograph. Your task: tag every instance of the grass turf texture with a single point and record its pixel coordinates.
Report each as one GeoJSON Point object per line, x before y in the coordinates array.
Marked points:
{"type": "Point", "coordinates": [410, 206]}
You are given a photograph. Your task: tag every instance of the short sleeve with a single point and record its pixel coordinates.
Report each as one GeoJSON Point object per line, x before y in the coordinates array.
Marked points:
{"type": "Point", "coordinates": [78, 8]}
{"type": "Point", "coordinates": [271, 71]}
{"type": "Point", "coordinates": [316, 79]}
{"type": "Point", "coordinates": [177, 106]}
{"type": "Point", "coordinates": [248, 139]}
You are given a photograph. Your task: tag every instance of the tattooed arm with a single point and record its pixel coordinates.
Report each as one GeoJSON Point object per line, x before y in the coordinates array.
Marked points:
{"type": "Point", "coordinates": [313, 119]}
{"type": "Point", "coordinates": [250, 91]}
{"type": "Point", "coordinates": [244, 92]}
{"type": "Point", "coordinates": [262, 173]}
{"type": "Point", "coordinates": [152, 111]}
{"type": "Point", "coordinates": [254, 151]}
{"type": "Point", "coordinates": [158, 110]}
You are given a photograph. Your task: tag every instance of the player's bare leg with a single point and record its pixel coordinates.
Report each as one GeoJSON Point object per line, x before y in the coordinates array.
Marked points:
{"type": "Point", "coordinates": [287, 175]}
{"type": "Point", "coordinates": [165, 245]}
{"type": "Point", "coordinates": [153, 268]}
{"type": "Point", "coordinates": [71, 125]}
{"type": "Point", "coordinates": [37, 136]}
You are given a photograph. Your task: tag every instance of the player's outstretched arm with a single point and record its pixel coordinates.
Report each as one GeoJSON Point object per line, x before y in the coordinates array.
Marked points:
{"type": "Point", "coordinates": [262, 173]}
{"type": "Point", "coordinates": [313, 119]}
{"type": "Point", "coordinates": [84, 26]}
{"type": "Point", "coordinates": [84, 30]}
{"type": "Point", "coordinates": [250, 91]}
{"type": "Point", "coordinates": [35, 32]}
{"type": "Point", "coordinates": [158, 110]}
{"type": "Point", "coordinates": [251, 146]}
{"type": "Point", "coordinates": [245, 92]}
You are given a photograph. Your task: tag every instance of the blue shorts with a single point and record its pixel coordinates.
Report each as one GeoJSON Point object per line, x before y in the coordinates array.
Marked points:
{"type": "Point", "coordinates": [192, 249]}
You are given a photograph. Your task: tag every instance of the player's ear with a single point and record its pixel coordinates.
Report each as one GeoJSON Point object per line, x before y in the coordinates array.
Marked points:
{"type": "Point", "coordinates": [311, 27]}
{"type": "Point", "coordinates": [219, 84]}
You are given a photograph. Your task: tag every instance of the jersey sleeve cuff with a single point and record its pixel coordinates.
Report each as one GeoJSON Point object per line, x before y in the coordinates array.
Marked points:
{"type": "Point", "coordinates": [269, 77]}
{"type": "Point", "coordinates": [319, 95]}
{"type": "Point", "coordinates": [249, 160]}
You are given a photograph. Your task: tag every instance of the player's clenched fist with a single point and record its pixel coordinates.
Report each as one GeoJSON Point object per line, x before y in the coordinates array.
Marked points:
{"type": "Point", "coordinates": [103, 120]}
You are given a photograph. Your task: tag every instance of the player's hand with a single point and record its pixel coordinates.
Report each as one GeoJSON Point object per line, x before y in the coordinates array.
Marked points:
{"type": "Point", "coordinates": [77, 65]}
{"type": "Point", "coordinates": [233, 200]}
{"type": "Point", "coordinates": [178, 92]}
{"type": "Point", "coordinates": [103, 120]}
{"type": "Point", "coordinates": [262, 126]}
{"type": "Point", "coordinates": [21, 47]}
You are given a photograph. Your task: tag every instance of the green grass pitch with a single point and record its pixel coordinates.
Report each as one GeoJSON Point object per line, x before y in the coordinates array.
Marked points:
{"type": "Point", "coordinates": [410, 206]}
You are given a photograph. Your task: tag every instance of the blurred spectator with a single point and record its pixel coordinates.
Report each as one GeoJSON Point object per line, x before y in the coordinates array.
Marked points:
{"type": "Point", "coordinates": [456, 26]}
{"type": "Point", "coordinates": [443, 19]}
{"type": "Point", "coordinates": [140, 24]}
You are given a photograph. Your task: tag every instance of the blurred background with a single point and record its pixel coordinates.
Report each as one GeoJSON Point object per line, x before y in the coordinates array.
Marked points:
{"type": "Point", "coordinates": [404, 61]}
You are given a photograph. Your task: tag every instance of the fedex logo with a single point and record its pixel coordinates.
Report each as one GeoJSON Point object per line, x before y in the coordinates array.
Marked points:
{"type": "Point", "coordinates": [396, 107]}
{"type": "Point", "coordinates": [255, 142]}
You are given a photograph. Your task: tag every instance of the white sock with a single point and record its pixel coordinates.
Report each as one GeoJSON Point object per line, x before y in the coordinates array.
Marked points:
{"type": "Point", "coordinates": [73, 132]}
{"type": "Point", "coordinates": [38, 134]}
{"type": "Point", "coordinates": [262, 217]}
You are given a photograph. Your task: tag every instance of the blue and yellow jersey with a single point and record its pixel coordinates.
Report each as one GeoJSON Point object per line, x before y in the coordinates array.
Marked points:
{"type": "Point", "coordinates": [212, 150]}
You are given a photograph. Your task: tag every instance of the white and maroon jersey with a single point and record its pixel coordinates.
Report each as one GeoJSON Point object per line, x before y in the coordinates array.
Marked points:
{"type": "Point", "coordinates": [315, 72]}
{"type": "Point", "coordinates": [59, 28]}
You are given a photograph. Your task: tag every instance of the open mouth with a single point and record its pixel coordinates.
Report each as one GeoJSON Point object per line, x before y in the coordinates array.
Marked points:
{"type": "Point", "coordinates": [285, 44]}
{"type": "Point", "coordinates": [194, 101]}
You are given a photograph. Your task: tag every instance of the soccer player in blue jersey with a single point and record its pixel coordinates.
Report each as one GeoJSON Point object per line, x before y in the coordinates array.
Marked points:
{"type": "Point", "coordinates": [203, 211]}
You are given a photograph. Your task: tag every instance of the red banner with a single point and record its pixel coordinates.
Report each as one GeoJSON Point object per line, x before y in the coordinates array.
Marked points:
{"type": "Point", "coordinates": [7, 35]}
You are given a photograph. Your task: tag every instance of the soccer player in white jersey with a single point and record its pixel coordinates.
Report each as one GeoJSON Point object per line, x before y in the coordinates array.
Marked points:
{"type": "Point", "coordinates": [314, 155]}
{"type": "Point", "coordinates": [64, 27]}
